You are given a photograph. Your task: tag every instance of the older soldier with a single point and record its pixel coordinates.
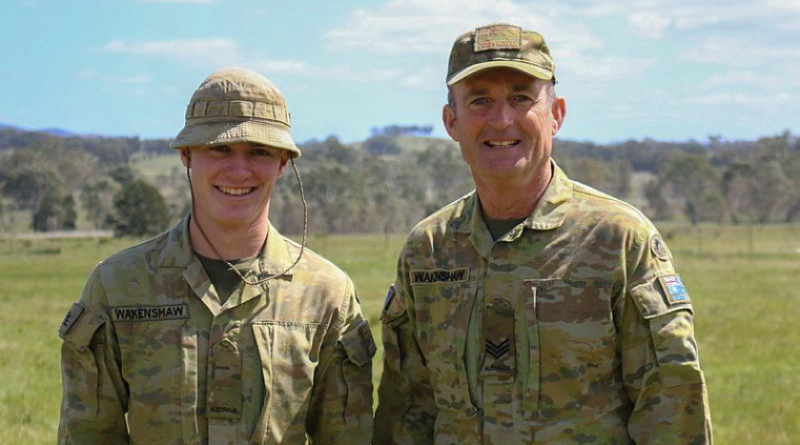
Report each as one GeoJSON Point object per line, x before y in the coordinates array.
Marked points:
{"type": "Point", "coordinates": [535, 310]}
{"type": "Point", "coordinates": [220, 331]}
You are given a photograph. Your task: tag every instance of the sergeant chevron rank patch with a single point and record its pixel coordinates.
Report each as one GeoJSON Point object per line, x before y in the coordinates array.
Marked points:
{"type": "Point", "coordinates": [499, 359]}
{"type": "Point", "coordinates": [497, 350]}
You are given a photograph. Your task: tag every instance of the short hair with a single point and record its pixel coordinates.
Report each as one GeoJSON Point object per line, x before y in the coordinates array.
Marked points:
{"type": "Point", "coordinates": [550, 85]}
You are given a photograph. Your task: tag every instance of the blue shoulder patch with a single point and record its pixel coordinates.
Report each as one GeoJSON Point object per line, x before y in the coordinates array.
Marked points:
{"type": "Point", "coordinates": [674, 289]}
{"type": "Point", "coordinates": [389, 296]}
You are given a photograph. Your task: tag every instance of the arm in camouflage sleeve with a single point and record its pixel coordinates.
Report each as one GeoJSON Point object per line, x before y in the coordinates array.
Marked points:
{"type": "Point", "coordinates": [406, 410]}
{"type": "Point", "coordinates": [660, 364]}
{"type": "Point", "coordinates": [94, 393]}
{"type": "Point", "coordinates": [341, 401]}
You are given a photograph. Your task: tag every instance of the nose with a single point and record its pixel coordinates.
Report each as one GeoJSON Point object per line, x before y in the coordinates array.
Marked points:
{"type": "Point", "coordinates": [502, 115]}
{"type": "Point", "coordinates": [238, 168]}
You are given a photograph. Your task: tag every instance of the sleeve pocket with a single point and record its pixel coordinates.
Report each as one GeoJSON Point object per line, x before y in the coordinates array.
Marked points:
{"type": "Point", "coordinates": [79, 367]}
{"type": "Point", "coordinates": [359, 344]}
{"type": "Point", "coordinates": [672, 331]}
{"type": "Point", "coordinates": [360, 348]}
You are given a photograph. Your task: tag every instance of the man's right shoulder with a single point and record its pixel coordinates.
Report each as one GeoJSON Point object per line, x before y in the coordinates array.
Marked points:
{"type": "Point", "coordinates": [138, 259]}
{"type": "Point", "coordinates": [440, 223]}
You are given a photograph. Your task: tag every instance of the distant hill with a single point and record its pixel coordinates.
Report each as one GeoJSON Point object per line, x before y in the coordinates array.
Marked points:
{"type": "Point", "coordinates": [57, 132]}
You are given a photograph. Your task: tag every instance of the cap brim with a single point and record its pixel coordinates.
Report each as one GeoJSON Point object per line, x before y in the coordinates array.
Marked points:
{"type": "Point", "coordinates": [255, 131]}
{"type": "Point", "coordinates": [527, 68]}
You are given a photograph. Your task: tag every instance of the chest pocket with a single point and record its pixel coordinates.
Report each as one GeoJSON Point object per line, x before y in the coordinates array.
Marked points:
{"type": "Point", "coordinates": [442, 312]}
{"type": "Point", "coordinates": [289, 353]}
{"type": "Point", "coordinates": [571, 326]}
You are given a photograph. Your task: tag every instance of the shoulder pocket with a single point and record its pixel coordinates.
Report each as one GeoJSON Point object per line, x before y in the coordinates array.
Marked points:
{"type": "Point", "coordinates": [79, 362]}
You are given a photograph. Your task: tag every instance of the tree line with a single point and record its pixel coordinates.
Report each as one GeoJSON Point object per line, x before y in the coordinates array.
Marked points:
{"type": "Point", "coordinates": [391, 180]}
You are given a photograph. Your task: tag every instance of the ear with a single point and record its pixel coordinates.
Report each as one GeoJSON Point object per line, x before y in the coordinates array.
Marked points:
{"type": "Point", "coordinates": [186, 157]}
{"type": "Point", "coordinates": [559, 112]}
{"type": "Point", "coordinates": [449, 119]}
{"type": "Point", "coordinates": [284, 162]}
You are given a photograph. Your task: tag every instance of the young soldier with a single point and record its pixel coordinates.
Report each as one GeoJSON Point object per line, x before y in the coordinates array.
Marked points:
{"type": "Point", "coordinates": [535, 310]}
{"type": "Point", "coordinates": [220, 330]}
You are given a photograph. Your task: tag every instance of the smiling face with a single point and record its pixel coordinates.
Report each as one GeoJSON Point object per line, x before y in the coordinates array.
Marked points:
{"type": "Point", "coordinates": [233, 183]}
{"type": "Point", "coordinates": [505, 124]}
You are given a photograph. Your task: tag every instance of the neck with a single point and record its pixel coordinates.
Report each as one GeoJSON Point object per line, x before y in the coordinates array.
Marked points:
{"type": "Point", "coordinates": [512, 199]}
{"type": "Point", "coordinates": [229, 243]}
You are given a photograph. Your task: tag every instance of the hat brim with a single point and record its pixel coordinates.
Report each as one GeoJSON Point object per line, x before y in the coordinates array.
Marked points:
{"type": "Point", "coordinates": [525, 67]}
{"type": "Point", "coordinates": [255, 131]}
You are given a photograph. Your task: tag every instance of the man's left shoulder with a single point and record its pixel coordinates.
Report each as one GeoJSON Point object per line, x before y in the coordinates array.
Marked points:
{"type": "Point", "coordinates": [314, 269]}
{"type": "Point", "coordinates": [592, 205]}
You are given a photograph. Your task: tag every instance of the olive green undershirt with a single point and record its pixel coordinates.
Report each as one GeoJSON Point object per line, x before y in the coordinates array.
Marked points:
{"type": "Point", "coordinates": [499, 227]}
{"type": "Point", "coordinates": [224, 279]}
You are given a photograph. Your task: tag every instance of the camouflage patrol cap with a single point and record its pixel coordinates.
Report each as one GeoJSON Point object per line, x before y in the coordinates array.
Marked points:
{"type": "Point", "coordinates": [237, 105]}
{"type": "Point", "coordinates": [500, 45]}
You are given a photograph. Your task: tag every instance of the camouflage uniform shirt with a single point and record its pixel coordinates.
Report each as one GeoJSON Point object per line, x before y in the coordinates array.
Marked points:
{"type": "Point", "coordinates": [150, 356]}
{"type": "Point", "coordinates": [572, 328]}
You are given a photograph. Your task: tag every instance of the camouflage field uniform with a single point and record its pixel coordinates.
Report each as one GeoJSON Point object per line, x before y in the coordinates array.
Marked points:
{"type": "Point", "coordinates": [571, 328]}
{"type": "Point", "coordinates": [284, 362]}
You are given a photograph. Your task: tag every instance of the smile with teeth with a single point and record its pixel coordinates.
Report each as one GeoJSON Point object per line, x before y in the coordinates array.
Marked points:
{"type": "Point", "coordinates": [501, 143]}
{"type": "Point", "coordinates": [235, 191]}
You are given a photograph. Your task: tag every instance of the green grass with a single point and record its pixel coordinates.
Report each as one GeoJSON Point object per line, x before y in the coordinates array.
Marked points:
{"type": "Point", "coordinates": [746, 296]}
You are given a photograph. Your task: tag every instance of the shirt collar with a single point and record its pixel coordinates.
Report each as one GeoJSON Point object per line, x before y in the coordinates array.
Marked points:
{"type": "Point", "coordinates": [177, 252]}
{"type": "Point", "coordinates": [548, 214]}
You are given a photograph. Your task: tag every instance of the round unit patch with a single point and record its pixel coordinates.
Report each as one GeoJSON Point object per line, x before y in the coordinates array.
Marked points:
{"type": "Point", "coordinates": [658, 247]}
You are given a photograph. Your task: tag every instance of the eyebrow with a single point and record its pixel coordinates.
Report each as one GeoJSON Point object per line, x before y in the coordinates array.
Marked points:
{"type": "Point", "coordinates": [478, 91]}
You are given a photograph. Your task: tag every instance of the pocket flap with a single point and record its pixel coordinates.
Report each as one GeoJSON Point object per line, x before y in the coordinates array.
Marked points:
{"type": "Point", "coordinates": [359, 344]}
{"type": "Point", "coordinates": [658, 297]}
{"type": "Point", "coordinates": [79, 326]}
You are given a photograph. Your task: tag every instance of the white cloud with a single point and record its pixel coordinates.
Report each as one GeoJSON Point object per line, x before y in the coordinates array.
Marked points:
{"type": "Point", "coordinates": [423, 79]}
{"type": "Point", "coordinates": [213, 53]}
{"type": "Point", "coordinates": [430, 27]}
{"type": "Point", "coordinates": [738, 52]}
{"type": "Point", "coordinates": [607, 68]}
{"type": "Point", "coordinates": [177, 1]}
{"type": "Point", "coordinates": [179, 48]}
{"type": "Point", "coordinates": [140, 79]}
{"type": "Point", "coordinates": [738, 78]}
{"type": "Point", "coordinates": [416, 27]}
{"type": "Point", "coordinates": [648, 25]}
{"type": "Point", "coordinates": [209, 52]}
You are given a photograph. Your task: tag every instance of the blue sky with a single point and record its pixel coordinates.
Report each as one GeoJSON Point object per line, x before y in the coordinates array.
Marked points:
{"type": "Point", "coordinates": [668, 70]}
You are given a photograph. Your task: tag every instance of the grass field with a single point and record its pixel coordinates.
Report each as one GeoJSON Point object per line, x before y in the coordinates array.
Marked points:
{"type": "Point", "coordinates": [745, 285]}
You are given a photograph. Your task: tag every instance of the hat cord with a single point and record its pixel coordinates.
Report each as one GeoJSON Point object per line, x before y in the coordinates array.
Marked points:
{"type": "Point", "coordinates": [302, 245]}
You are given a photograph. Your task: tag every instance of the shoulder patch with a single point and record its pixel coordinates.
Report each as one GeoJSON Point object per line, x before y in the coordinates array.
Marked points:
{"type": "Point", "coordinates": [434, 276]}
{"type": "Point", "coordinates": [658, 247]}
{"type": "Point", "coordinates": [72, 316]}
{"type": "Point", "coordinates": [389, 297]}
{"type": "Point", "coordinates": [674, 289]}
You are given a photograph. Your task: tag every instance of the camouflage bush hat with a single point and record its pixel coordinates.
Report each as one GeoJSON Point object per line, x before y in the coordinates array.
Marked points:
{"type": "Point", "coordinates": [500, 45]}
{"type": "Point", "coordinates": [237, 105]}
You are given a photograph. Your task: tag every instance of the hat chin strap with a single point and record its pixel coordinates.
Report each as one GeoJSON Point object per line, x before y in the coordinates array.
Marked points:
{"type": "Point", "coordinates": [213, 249]}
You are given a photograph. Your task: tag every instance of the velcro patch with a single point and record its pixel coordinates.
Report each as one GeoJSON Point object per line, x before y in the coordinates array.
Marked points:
{"type": "Point", "coordinates": [150, 313]}
{"type": "Point", "coordinates": [434, 276]}
{"type": "Point", "coordinates": [389, 297]}
{"type": "Point", "coordinates": [674, 289]}
{"type": "Point", "coordinates": [494, 37]}
{"type": "Point", "coordinates": [72, 316]}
